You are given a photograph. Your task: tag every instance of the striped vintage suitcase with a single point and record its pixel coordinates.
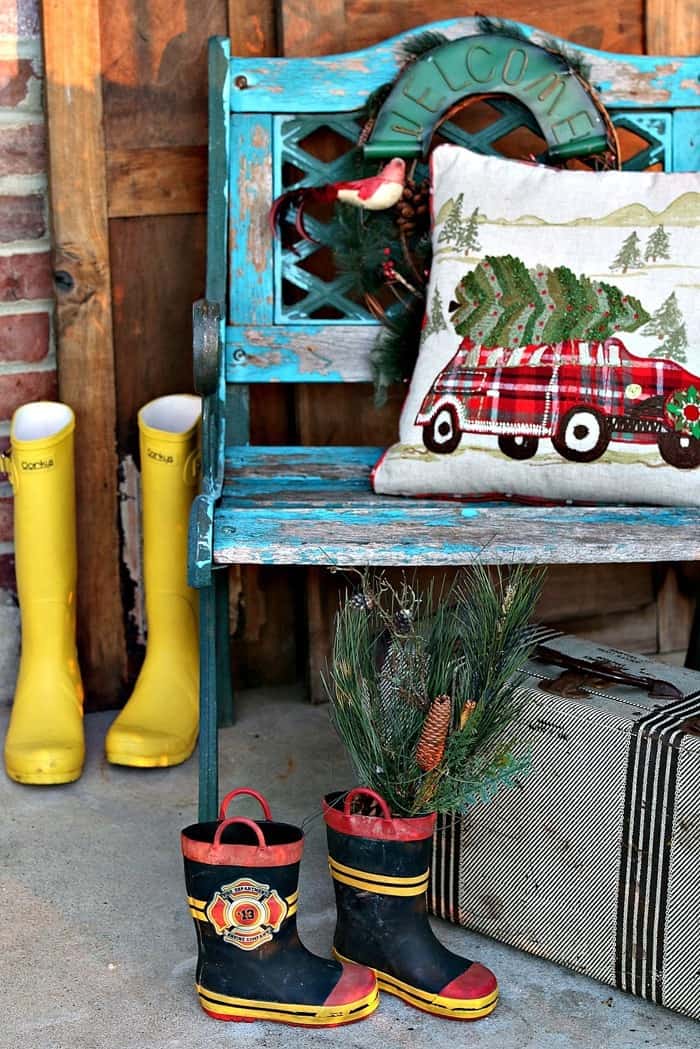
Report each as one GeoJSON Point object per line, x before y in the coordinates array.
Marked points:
{"type": "Point", "coordinates": [593, 860]}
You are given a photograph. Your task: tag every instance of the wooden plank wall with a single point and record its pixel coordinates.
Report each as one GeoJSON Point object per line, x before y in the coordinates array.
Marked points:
{"type": "Point", "coordinates": [84, 327]}
{"type": "Point", "coordinates": [128, 163]}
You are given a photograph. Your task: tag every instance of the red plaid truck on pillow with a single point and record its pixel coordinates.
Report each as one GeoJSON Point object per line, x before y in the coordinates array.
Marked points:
{"type": "Point", "coordinates": [580, 394]}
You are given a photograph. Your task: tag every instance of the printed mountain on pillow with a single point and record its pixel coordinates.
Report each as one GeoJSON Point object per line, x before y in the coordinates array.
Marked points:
{"type": "Point", "coordinates": [575, 378]}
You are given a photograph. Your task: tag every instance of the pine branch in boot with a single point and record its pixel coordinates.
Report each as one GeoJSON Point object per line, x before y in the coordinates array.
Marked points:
{"type": "Point", "coordinates": [424, 680]}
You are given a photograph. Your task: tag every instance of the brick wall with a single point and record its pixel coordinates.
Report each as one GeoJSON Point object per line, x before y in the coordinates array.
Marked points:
{"type": "Point", "coordinates": [27, 356]}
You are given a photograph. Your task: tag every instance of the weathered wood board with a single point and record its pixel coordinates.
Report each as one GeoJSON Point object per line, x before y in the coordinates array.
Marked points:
{"type": "Point", "coordinates": [84, 329]}
{"type": "Point", "coordinates": [303, 505]}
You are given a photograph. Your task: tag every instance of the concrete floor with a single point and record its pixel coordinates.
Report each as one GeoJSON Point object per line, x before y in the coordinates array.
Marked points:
{"type": "Point", "coordinates": [97, 948]}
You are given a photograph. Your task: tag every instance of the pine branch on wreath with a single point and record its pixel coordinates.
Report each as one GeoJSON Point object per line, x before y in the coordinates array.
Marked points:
{"type": "Point", "coordinates": [388, 256]}
{"type": "Point", "coordinates": [503, 27]}
{"type": "Point", "coordinates": [420, 44]}
{"type": "Point", "coordinates": [573, 58]}
{"type": "Point", "coordinates": [424, 681]}
{"type": "Point", "coordinates": [359, 241]}
{"type": "Point", "coordinates": [396, 348]}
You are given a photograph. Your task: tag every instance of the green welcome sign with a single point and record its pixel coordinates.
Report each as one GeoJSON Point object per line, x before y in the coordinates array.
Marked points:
{"type": "Point", "coordinates": [486, 64]}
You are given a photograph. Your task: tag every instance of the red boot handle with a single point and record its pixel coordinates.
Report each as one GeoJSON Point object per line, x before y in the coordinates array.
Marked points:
{"type": "Point", "coordinates": [247, 823]}
{"type": "Point", "coordinates": [264, 804]}
{"type": "Point", "coordinates": [351, 795]}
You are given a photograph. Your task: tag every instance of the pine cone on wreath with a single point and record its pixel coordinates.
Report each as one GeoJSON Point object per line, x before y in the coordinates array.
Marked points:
{"type": "Point", "coordinates": [413, 207]}
{"type": "Point", "coordinates": [431, 745]}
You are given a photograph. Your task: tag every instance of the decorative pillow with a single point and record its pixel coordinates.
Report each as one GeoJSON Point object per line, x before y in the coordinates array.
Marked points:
{"type": "Point", "coordinates": [560, 354]}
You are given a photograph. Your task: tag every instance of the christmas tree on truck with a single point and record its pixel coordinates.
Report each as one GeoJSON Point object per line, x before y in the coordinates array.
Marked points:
{"type": "Point", "coordinates": [503, 303]}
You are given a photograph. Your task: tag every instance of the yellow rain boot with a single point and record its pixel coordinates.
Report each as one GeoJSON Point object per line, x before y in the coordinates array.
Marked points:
{"type": "Point", "coordinates": [158, 726]}
{"type": "Point", "coordinates": [44, 742]}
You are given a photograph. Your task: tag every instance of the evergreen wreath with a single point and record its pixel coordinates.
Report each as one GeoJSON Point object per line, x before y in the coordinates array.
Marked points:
{"type": "Point", "coordinates": [389, 257]}
{"type": "Point", "coordinates": [422, 681]}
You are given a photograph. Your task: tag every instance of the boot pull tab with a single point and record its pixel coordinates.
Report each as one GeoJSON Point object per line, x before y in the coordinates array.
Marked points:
{"type": "Point", "coordinates": [7, 467]}
{"type": "Point", "coordinates": [192, 467]}
{"type": "Point", "coordinates": [246, 822]}
{"type": "Point", "coordinates": [264, 804]}
{"type": "Point", "coordinates": [349, 798]}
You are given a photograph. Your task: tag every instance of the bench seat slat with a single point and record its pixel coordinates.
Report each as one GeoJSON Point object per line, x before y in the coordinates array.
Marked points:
{"type": "Point", "coordinates": [315, 506]}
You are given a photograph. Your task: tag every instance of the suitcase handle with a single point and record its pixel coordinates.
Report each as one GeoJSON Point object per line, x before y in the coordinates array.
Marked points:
{"type": "Point", "coordinates": [246, 823]}
{"type": "Point", "coordinates": [264, 804]}
{"type": "Point", "coordinates": [658, 688]}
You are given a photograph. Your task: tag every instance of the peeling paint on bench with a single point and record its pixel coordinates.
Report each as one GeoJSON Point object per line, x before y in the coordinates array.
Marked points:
{"type": "Point", "coordinates": [314, 84]}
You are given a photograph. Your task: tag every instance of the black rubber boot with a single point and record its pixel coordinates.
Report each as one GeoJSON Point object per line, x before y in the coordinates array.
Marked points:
{"type": "Point", "coordinates": [380, 868]}
{"type": "Point", "coordinates": [242, 887]}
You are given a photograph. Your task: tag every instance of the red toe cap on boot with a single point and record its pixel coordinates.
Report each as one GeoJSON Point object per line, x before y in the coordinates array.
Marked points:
{"type": "Point", "coordinates": [475, 982]}
{"type": "Point", "coordinates": [355, 982]}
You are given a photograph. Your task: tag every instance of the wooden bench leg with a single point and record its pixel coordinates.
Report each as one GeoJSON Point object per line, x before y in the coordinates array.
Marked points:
{"type": "Point", "coordinates": [208, 719]}
{"type": "Point", "coordinates": [224, 686]}
{"type": "Point", "coordinates": [215, 690]}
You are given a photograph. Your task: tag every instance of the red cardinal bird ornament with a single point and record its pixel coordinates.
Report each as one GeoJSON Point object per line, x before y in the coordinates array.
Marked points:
{"type": "Point", "coordinates": [375, 193]}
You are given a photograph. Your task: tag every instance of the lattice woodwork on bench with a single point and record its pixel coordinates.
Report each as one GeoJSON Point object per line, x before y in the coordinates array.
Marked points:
{"type": "Point", "coordinates": [315, 149]}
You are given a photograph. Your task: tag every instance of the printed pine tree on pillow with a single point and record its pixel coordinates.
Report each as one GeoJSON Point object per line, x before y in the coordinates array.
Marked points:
{"type": "Point", "coordinates": [503, 303]}
{"type": "Point", "coordinates": [658, 246]}
{"type": "Point", "coordinates": [457, 231]}
{"type": "Point", "coordinates": [668, 327]}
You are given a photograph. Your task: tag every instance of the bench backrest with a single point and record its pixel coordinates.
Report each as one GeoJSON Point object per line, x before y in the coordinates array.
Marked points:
{"type": "Point", "coordinates": [285, 319]}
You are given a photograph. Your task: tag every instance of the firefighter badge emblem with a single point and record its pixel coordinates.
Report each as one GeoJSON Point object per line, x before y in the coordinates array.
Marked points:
{"type": "Point", "coordinates": [246, 913]}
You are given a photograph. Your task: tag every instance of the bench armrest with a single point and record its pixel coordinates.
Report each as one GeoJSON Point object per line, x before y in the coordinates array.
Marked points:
{"type": "Point", "coordinates": [209, 382]}
{"type": "Point", "coordinates": [206, 346]}
{"type": "Point", "coordinates": [200, 542]}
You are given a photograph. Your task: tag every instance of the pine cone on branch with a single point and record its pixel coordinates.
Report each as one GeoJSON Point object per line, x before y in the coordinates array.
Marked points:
{"type": "Point", "coordinates": [431, 745]}
{"type": "Point", "coordinates": [467, 711]}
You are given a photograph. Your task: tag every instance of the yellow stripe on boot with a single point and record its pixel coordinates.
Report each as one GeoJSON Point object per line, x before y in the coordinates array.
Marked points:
{"type": "Point", "coordinates": [159, 724]}
{"type": "Point", "coordinates": [384, 885]}
{"type": "Point", "coordinates": [437, 1004]}
{"type": "Point", "coordinates": [303, 1015]}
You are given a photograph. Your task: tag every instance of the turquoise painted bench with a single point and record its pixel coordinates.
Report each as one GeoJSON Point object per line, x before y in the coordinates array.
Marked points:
{"type": "Point", "coordinates": [314, 506]}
